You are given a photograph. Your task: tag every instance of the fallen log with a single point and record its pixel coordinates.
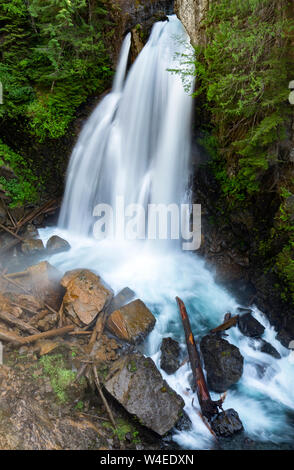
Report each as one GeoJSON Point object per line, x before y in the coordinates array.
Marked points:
{"type": "Point", "coordinates": [27, 291]}
{"type": "Point", "coordinates": [209, 408]}
{"type": "Point", "coordinates": [35, 213]}
{"type": "Point", "coordinates": [11, 233]}
{"type": "Point", "coordinates": [99, 388]}
{"type": "Point", "coordinates": [10, 337]}
{"type": "Point", "coordinates": [226, 325]}
{"type": "Point", "coordinates": [22, 325]}
{"type": "Point", "coordinates": [47, 334]}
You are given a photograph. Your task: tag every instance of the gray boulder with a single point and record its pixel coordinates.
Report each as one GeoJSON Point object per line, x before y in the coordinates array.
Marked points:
{"type": "Point", "coordinates": [223, 362]}
{"type": "Point", "coordinates": [227, 423]}
{"type": "Point", "coordinates": [56, 244]}
{"type": "Point", "coordinates": [249, 326]}
{"type": "Point", "coordinates": [170, 353]}
{"type": "Point", "coordinates": [136, 383]}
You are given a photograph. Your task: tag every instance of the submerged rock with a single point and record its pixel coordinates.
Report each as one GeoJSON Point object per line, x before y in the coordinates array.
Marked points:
{"type": "Point", "coordinates": [132, 322]}
{"type": "Point", "coordinates": [223, 362]}
{"type": "Point", "coordinates": [170, 352]}
{"type": "Point", "coordinates": [227, 423]}
{"type": "Point", "coordinates": [57, 244]}
{"type": "Point", "coordinates": [267, 348]}
{"type": "Point", "coordinates": [138, 386]}
{"type": "Point", "coordinates": [249, 326]}
{"type": "Point", "coordinates": [85, 296]}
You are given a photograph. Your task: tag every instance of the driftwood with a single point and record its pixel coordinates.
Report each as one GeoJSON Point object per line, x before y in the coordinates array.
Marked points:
{"type": "Point", "coordinates": [22, 325]}
{"type": "Point", "coordinates": [226, 325]}
{"type": "Point", "coordinates": [96, 335]}
{"type": "Point", "coordinates": [10, 337]}
{"type": "Point", "coordinates": [209, 408]}
{"type": "Point", "coordinates": [27, 291]}
{"type": "Point", "coordinates": [35, 213]}
{"type": "Point", "coordinates": [11, 233]}
{"type": "Point", "coordinates": [47, 334]}
{"type": "Point", "coordinates": [99, 388]}
{"type": "Point", "coordinates": [16, 339]}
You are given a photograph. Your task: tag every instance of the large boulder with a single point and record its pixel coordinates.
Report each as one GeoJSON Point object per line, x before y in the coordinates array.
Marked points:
{"type": "Point", "coordinates": [132, 322]}
{"type": "Point", "coordinates": [85, 296]}
{"type": "Point", "coordinates": [170, 355]}
{"type": "Point", "coordinates": [56, 244]}
{"type": "Point", "coordinates": [249, 326]}
{"type": "Point", "coordinates": [135, 382]}
{"type": "Point", "coordinates": [223, 362]}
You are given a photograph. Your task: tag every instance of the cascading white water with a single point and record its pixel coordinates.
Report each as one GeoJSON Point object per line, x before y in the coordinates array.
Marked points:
{"type": "Point", "coordinates": [136, 144]}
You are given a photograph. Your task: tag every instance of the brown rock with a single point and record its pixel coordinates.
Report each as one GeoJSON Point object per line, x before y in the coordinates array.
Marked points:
{"type": "Point", "coordinates": [132, 322]}
{"type": "Point", "coordinates": [85, 296]}
{"type": "Point", "coordinates": [31, 246]}
{"type": "Point", "coordinates": [44, 280]}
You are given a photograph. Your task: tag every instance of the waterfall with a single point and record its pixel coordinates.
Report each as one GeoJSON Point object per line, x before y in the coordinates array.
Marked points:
{"type": "Point", "coordinates": [136, 144]}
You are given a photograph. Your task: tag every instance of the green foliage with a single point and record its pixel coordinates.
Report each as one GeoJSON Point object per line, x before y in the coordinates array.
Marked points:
{"type": "Point", "coordinates": [243, 73]}
{"type": "Point", "coordinates": [60, 377]}
{"type": "Point", "coordinates": [54, 57]}
{"type": "Point", "coordinates": [24, 188]}
{"type": "Point", "coordinates": [285, 268]}
{"type": "Point", "coordinates": [124, 427]}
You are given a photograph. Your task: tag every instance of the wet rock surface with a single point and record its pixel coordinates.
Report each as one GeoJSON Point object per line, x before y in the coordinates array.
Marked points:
{"type": "Point", "coordinates": [135, 382]}
{"type": "Point", "coordinates": [85, 296]}
{"type": "Point", "coordinates": [223, 362]}
{"type": "Point", "coordinates": [267, 348]}
{"type": "Point", "coordinates": [227, 423]}
{"type": "Point", "coordinates": [57, 244]}
{"type": "Point", "coordinates": [170, 355]}
{"type": "Point", "coordinates": [249, 326]}
{"type": "Point", "coordinates": [131, 322]}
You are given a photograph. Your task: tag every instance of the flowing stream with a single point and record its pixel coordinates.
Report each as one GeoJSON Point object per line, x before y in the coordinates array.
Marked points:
{"type": "Point", "coordinates": [136, 145]}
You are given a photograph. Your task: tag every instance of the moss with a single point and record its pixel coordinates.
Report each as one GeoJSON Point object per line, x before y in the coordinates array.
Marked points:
{"type": "Point", "coordinates": [132, 366]}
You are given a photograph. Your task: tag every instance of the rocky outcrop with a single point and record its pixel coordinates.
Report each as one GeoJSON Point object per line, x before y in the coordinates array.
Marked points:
{"type": "Point", "coordinates": [223, 362]}
{"type": "Point", "coordinates": [135, 382]}
{"type": "Point", "coordinates": [85, 296]}
{"type": "Point", "coordinates": [170, 355]}
{"type": "Point", "coordinates": [132, 322]}
{"type": "Point", "coordinates": [192, 14]}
